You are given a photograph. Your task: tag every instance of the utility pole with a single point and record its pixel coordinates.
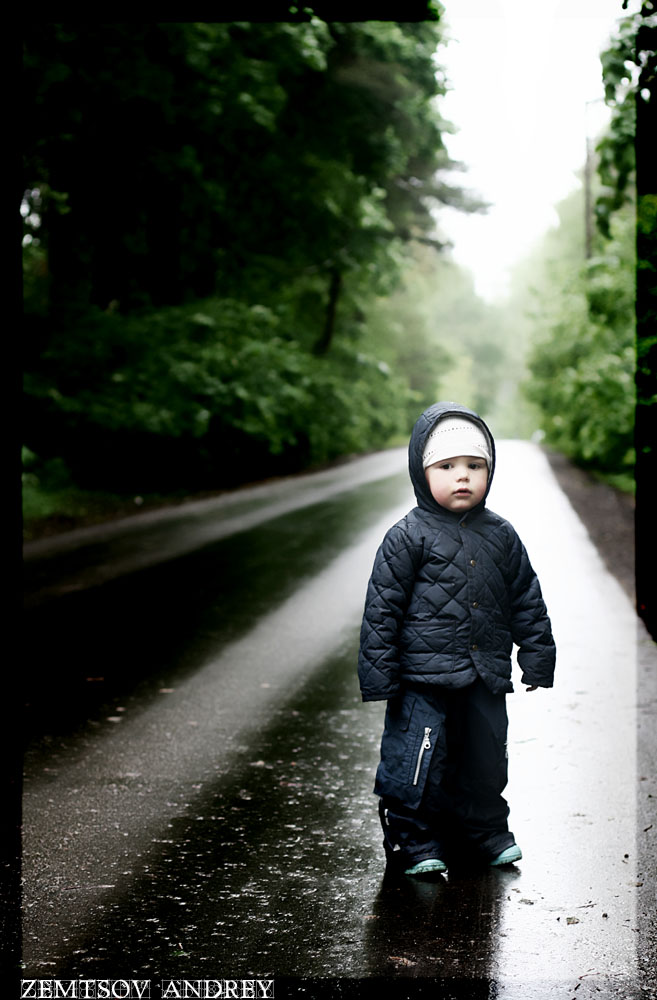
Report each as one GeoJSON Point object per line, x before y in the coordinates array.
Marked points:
{"type": "Point", "coordinates": [588, 181]}
{"type": "Point", "coordinates": [588, 221]}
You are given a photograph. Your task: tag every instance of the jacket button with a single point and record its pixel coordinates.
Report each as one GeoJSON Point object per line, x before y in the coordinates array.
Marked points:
{"type": "Point", "coordinates": [475, 604]}
{"type": "Point", "coordinates": [474, 646]}
{"type": "Point", "coordinates": [473, 562]}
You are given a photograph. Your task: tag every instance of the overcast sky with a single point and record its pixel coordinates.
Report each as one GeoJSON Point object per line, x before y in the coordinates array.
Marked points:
{"type": "Point", "coordinates": [522, 73]}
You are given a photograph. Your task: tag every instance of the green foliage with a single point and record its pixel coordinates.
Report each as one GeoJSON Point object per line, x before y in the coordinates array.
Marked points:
{"type": "Point", "coordinates": [167, 161]}
{"type": "Point", "coordinates": [210, 209]}
{"type": "Point", "coordinates": [470, 330]}
{"type": "Point", "coordinates": [436, 332]}
{"type": "Point", "coordinates": [616, 148]}
{"type": "Point", "coordinates": [53, 502]}
{"type": "Point", "coordinates": [46, 487]}
{"type": "Point", "coordinates": [399, 328]}
{"type": "Point", "coordinates": [587, 362]}
{"type": "Point", "coordinates": [582, 363]}
{"type": "Point", "coordinates": [215, 392]}
{"type": "Point", "coordinates": [629, 68]}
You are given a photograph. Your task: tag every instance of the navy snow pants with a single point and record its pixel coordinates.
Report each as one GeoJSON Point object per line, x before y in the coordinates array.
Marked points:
{"type": "Point", "coordinates": [442, 773]}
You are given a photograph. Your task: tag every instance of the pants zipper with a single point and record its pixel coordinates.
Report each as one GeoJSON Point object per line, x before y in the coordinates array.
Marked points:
{"type": "Point", "coordinates": [426, 745]}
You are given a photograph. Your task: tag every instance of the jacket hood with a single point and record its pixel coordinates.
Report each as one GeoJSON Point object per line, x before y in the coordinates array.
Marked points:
{"type": "Point", "coordinates": [423, 427]}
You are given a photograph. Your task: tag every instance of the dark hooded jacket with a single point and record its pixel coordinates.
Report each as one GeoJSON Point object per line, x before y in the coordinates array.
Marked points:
{"type": "Point", "coordinates": [450, 593]}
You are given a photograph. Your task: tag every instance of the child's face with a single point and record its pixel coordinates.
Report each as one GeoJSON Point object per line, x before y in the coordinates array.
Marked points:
{"type": "Point", "coordinates": [458, 483]}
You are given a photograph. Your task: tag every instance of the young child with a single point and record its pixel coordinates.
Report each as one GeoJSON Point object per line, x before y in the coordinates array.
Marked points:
{"type": "Point", "coordinates": [451, 590]}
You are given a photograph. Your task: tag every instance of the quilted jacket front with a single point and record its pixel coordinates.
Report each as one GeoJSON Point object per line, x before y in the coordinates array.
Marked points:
{"type": "Point", "coordinates": [450, 593]}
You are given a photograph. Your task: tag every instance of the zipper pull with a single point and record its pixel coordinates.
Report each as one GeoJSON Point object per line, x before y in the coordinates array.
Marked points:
{"type": "Point", "coordinates": [426, 745]}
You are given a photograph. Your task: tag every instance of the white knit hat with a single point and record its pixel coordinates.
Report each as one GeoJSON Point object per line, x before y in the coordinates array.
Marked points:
{"type": "Point", "coordinates": [455, 436]}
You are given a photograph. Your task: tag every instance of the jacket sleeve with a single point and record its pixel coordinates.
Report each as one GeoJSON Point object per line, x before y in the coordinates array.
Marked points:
{"type": "Point", "coordinates": [388, 595]}
{"type": "Point", "coordinates": [530, 625]}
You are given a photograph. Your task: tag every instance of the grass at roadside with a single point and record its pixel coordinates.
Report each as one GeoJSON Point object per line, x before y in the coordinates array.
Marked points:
{"type": "Point", "coordinates": [623, 482]}
{"type": "Point", "coordinates": [53, 503]}
{"type": "Point", "coordinates": [51, 512]}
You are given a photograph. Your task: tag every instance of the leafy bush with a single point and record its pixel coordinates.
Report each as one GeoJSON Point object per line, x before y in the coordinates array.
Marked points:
{"type": "Point", "coordinates": [206, 395]}
{"type": "Point", "coordinates": [583, 362]}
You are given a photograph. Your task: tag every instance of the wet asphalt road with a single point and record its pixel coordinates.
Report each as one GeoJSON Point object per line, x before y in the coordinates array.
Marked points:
{"type": "Point", "coordinates": [199, 765]}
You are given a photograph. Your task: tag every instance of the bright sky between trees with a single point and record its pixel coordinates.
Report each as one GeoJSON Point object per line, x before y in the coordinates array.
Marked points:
{"type": "Point", "coordinates": [527, 89]}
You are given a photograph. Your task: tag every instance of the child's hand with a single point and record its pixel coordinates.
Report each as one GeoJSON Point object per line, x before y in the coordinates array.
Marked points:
{"type": "Point", "coordinates": [533, 687]}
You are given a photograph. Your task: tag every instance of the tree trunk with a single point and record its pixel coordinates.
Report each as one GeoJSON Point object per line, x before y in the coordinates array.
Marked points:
{"type": "Point", "coordinates": [335, 286]}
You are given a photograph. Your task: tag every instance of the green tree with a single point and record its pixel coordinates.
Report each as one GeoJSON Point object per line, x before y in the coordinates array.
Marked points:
{"type": "Point", "coordinates": [437, 332]}
{"type": "Point", "coordinates": [169, 161]}
{"type": "Point", "coordinates": [583, 358]}
{"type": "Point", "coordinates": [222, 170]}
{"type": "Point", "coordinates": [583, 364]}
{"type": "Point", "coordinates": [630, 75]}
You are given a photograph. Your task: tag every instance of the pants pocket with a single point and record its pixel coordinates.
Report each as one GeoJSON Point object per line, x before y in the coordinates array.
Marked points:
{"type": "Point", "coordinates": [413, 728]}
